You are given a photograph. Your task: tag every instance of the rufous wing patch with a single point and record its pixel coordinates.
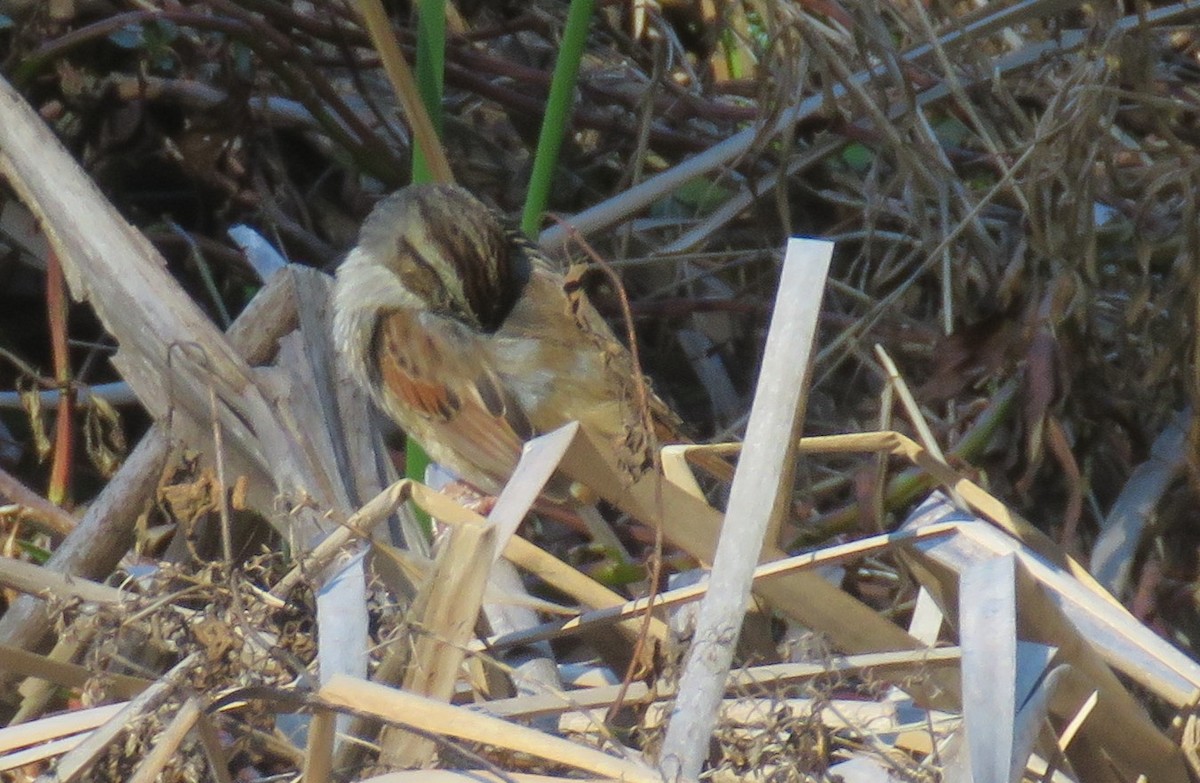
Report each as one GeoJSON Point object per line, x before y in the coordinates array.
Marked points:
{"type": "Point", "coordinates": [405, 370]}
{"type": "Point", "coordinates": [432, 382]}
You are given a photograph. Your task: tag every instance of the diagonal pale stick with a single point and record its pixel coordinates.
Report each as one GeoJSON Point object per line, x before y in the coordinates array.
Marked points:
{"type": "Point", "coordinates": [720, 156]}
{"type": "Point", "coordinates": [171, 354]}
{"type": "Point", "coordinates": [758, 501]}
{"type": "Point", "coordinates": [394, 64]}
{"type": "Point", "coordinates": [277, 423]}
{"type": "Point", "coordinates": [539, 459]}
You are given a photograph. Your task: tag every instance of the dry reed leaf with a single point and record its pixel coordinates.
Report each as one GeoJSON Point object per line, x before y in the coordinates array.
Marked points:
{"type": "Point", "coordinates": [23, 663]}
{"type": "Point", "coordinates": [410, 710]}
{"type": "Point", "coordinates": [990, 670]}
{"type": "Point", "coordinates": [784, 567]}
{"type": "Point", "coordinates": [55, 727]}
{"type": "Point", "coordinates": [446, 610]}
{"type": "Point", "coordinates": [476, 776]}
{"type": "Point", "coordinates": [1090, 634]}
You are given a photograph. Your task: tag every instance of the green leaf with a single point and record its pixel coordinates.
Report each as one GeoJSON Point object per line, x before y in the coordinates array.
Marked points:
{"type": "Point", "coordinates": [615, 572]}
{"type": "Point", "coordinates": [701, 194]}
{"type": "Point", "coordinates": [35, 552]}
{"type": "Point", "coordinates": [858, 157]}
{"type": "Point", "coordinates": [558, 113]}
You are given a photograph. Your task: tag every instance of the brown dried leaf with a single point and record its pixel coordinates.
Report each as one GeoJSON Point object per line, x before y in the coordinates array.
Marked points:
{"type": "Point", "coordinates": [31, 401]}
{"type": "Point", "coordinates": [104, 436]}
{"type": "Point", "coordinates": [971, 355]}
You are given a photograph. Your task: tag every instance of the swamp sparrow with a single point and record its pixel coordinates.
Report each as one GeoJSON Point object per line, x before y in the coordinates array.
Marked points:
{"type": "Point", "coordinates": [468, 339]}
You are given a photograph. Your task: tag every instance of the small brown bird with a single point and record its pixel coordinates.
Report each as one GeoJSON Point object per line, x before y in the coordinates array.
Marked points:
{"type": "Point", "coordinates": [467, 337]}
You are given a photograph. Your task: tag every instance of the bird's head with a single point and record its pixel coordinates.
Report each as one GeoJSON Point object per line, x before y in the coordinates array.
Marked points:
{"type": "Point", "coordinates": [436, 248]}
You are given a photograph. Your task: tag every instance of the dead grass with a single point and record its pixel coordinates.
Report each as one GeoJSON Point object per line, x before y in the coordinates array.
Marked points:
{"type": "Point", "coordinates": [1011, 190]}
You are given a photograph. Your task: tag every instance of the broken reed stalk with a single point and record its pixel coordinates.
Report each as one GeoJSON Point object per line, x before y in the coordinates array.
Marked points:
{"type": "Point", "coordinates": [758, 501]}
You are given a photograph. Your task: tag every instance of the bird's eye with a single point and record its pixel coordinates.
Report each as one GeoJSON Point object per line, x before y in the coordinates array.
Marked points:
{"type": "Point", "coordinates": [418, 270]}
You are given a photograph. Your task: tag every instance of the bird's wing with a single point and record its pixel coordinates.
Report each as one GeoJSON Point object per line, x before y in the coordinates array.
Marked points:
{"type": "Point", "coordinates": [668, 427]}
{"type": "Point", "coordinates": [636, 449]}
{"type": "Point", "coordinates": [446, 397]}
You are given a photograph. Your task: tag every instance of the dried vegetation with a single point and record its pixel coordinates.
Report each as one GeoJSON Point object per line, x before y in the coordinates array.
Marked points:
{"type": "Point", "coordinates": [1012, 190]}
